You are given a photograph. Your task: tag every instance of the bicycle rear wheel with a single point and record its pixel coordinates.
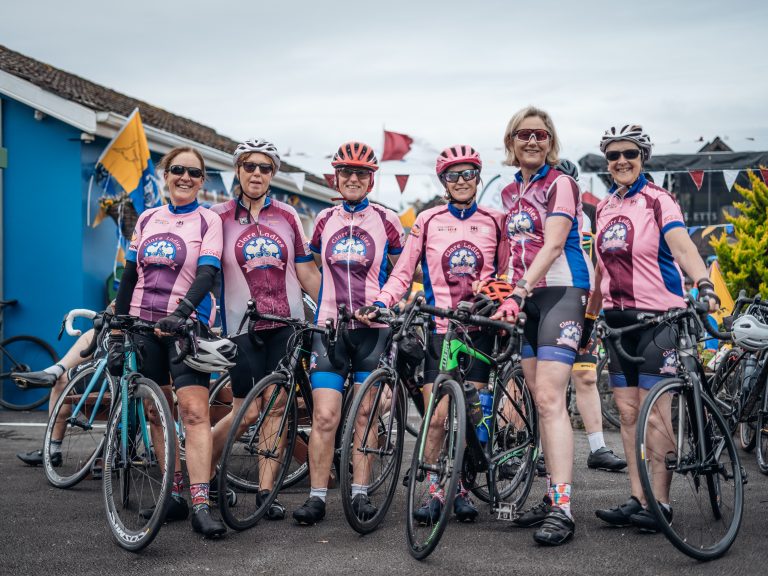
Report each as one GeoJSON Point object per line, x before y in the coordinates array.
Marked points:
{"type": "Point", "coordinates": [139, 462]}
{"type": "Point", "coordinates": [372, 448]}
{"type": "Point", "coordinates": [706, 496]}
{"type": "Point", "coordinates": [761, 442]}
{"type": "Point", "coordinates": [23, 354]}
{"type": "Point", "coordinates": [258, 451]}
{"type": "Point", "coordinates": [434, 480]}
{"type": "Point", "coordinates": [79, 431]}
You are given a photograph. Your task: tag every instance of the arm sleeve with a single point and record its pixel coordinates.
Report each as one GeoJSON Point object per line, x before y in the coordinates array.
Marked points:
{"type": "Point", "coordinates": [400, 280]}
{"type": "Point", "coordinates": [563, 198]}
{"type": "Point", "coordinates": [202, 284]}
{"type": "Point", "coordinates": [125, 291]}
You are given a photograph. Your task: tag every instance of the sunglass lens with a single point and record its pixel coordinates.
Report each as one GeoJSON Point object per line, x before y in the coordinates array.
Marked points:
{"type": "Point", "coordinates": [451, 176]}
{"type": "Point", "coordinates": [195, 172]}
{"type": "Point", "coordinates": [265, 168]}
{"type": "Point", "coordinates": [176, 170]}
{"type": "Point", "coordinates": [468, 175]}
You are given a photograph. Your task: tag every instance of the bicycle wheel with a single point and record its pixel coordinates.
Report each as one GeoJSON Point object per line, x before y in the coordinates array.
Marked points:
{"type": "Point", "coordinates": [706, 496]}
{"type": "Point", "coordinates": [372, 448]}
{"type": "Point", "coordinates": [220, 398]}
{"type": "Point", "coordinates": [514, 430]}
{"type": "Point", "coordinates": [608, 406]}
{"type": "Point", "coordinates": [23, 354]}
{"type": "Point", "coordinates": [258, 450]}
{"type": "Point", "coordinates": [762, 433]}
{"type": "Point", "coordinates": [298, 468]}
{"type": "Point", "coordinates": [434, 479]}
{"type": "Point", "coordinates": [139, 459]}
{"type": "Point", "coordinates": [78, 423]}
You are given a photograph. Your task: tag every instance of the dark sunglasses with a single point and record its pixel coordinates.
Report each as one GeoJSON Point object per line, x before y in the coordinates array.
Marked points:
{"type": "Point", "coordinates": [265, 168]}
{"type": "Point", "coordinates": [525, 135]}
{"type": "Point", "coordinates": [614, 155]}
{"type": "Point", "coordinates": [361, 173]}
{"type": "Point", "coordinates": [467, 175]}
{"type": "Point", "coordinates": [178, 170]}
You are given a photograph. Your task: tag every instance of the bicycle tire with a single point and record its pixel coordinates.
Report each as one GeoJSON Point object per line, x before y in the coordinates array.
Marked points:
{"type": "Point", "coordinates": [245, 453]}
{"type": "Point", "coordinates": [747, 436]}
{"type": "Point", "coordinates": [608, 407]}
{"type": "Point", "coordinates": [137, 492]}
{"type": "Point", "coordinates": [761, 440]}
{"type": "Point", "coordinates": [423, 537]}
{"type": "Point", "coordinates": [298, 469]}
{"type": "Point", "coordinates": [383, 423]}
{"type": "Point", "coordinates": [24, 354]}
{"type": "Point", "coordinates": [705, 528]}
{"type": "Point", "coordinates": [81, 443]}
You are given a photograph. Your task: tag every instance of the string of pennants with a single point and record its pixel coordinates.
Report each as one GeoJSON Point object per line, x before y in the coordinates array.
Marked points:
{"type": "Point", "coordinates": [697, 176]}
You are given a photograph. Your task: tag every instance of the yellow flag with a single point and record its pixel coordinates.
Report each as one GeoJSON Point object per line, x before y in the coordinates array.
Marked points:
{"type": "Point", "coordinates": [408, 217]}
{"type": "Point", "coordinates": [127, 155]}
{"type": "Point", "coordinates": [726, 301]}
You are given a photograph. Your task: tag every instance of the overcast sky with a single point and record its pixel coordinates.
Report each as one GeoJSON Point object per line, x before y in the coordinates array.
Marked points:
{"type": "Point", "coordinates": [311, 74]}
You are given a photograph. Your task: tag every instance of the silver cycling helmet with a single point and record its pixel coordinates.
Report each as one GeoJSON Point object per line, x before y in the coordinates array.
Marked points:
{"type": "Point", "coordinates": [568, 168]}
{"type": "Point", "coordinates": [750, 333]}
{"type": "Point", "coordinates": [632, 133]}
{"type": "Point", "coordinates": [256, 145]}
{"type": "Point", "coordinates": [213, 355]}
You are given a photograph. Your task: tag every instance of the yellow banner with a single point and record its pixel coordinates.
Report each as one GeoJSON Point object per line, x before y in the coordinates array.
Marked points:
{"type": "Point", "coordinates": [726, 301]}
{"type": "Point", "coordinates": [127, 156]}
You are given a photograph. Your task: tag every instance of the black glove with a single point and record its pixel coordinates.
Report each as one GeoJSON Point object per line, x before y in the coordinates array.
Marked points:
{"type": "Point", "coordinates": [586, 333]}
{"type": "Point", "coordinates": [707, 292]}
{"type": "Point", "coordinates": [115, 355]}
{"type": "Point", "coordinates": [171, 324]}
{"type": "Point", "coordinates": [366, 310]}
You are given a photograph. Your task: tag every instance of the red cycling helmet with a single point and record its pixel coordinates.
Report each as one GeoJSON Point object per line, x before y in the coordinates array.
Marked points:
{"type": "Point", "coordinates": [459, 154]}
{"type": "Point", "coordinates": [497, 290]}
{"type": "Point", "coordinates": [355, 154]}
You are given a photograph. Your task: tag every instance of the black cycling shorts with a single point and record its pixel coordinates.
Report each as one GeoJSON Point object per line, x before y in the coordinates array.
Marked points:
{"type": "Point", "coordinates": [474, 370]}
{"type": "Point", "coordinates": [156, 362]}
{"type": "Point", "coordinates": [656, 344]}
{"type": "Point", "coordinates": [253, 363]}
{"type": "Point", "coordinates": [555, 320]}
{"type": "Point", "coordinates": [369, 345]}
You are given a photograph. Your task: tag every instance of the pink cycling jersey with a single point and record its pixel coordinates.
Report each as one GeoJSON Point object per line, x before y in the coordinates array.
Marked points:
{"type": "Point", "coordinates": [259, 262]}
{"type": "Point", "coordinates": [354, 243]}
{"type": "Point", "coordinates": [549, 193]}
{"type": "Point", "coordinates": [455, 248]}
{"type": "Point", "coordinates": [637, 267]}
{"type": "Point", "coordinates": [168, 245]}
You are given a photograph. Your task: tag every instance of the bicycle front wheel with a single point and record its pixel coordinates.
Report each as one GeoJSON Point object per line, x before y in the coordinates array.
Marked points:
{"type": "Point", "coordinates": [761, 442]}
{"type": "Point", "coordinates": [435, 468]}
{"type": "Point", "coordinates": [23, 354]}
{"type": "Point", "coordinates": [139, 462]}
{"type": "Point", "coordinates": [608, 406]}
{"type": "Point", "coordinates": [705, 494]}
{"type": "Point", "coordinates": [258, 451]}
{"type": "Point", "coordinates": [372, 449]}
{"type": "Point", "coordinates": [77, 424]}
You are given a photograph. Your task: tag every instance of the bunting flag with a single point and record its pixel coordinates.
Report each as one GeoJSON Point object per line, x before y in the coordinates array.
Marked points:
{"type": "Point", "coordinates": [298, 179]}
{"type": "Point", "coordinates": [408, 217]}
{"type": "Point", "coordinates": [396, 146]}
{"type": "Point", "coordinates": [331, 179]}
{"type": "Point", "coordinates": [764, 174]}
{"type": "Point", "coordinates": [726, 300]}
{"type": "Point", "coordinates": [402, 180]}
{"type": "Point", "coordinates": [228, 179]}
{"type": "Point", "coordinates": [658, 177]}
{"type": "Point", "coordinates": [698, 178]}
{"type": "Point", "coordinates": [730, 177]}
{"type": "Point", "coordinates": [128, 160]}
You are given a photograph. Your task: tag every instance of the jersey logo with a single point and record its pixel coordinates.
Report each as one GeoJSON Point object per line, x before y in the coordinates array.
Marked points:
{"type": "Point", "coordinates": [160, 253]}
{"type": "Point", "coordinates": [669, 366]}
{"type": "Point", "coordinates": [463, 260]}
{"type": "Point", "coordinates": [614, 238]}
{"type": "Point", "coordinates": [519, 223]}
{"type": "Point", "coordinates": [570, 334]}
{"type": "Point", "coordinates": [262, 252]}
{"type": "Point", "coordinates": [350, 250]}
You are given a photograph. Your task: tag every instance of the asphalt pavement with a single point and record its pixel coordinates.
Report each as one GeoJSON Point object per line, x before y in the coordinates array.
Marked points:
{"type": "Point", "coordinates": [44, 530]}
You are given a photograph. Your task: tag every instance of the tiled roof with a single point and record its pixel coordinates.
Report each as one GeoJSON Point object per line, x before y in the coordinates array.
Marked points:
{"type": "Point", "coordinates": [102, 99]}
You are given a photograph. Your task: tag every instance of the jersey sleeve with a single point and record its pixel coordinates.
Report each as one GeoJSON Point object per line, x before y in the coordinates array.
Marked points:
{"type": "Point", "coordinates": [317, 235]}
{"type": "Point", "coordinates": [667, 213]}
{"type": "Point", "coordinates": [212, 242]}
{"type": "Point", "coordinates": [300, 244]}
{"type": "Point", "coordinates": [563, 198]}
{"type": "Point", "coordinates": [502, 247]}
{"type": "Point", "coordinates": [395, 233]}
{"type": "Point", "coordinates": [133, 246]}
{"type": "Point", "coordinates": [402, 274]}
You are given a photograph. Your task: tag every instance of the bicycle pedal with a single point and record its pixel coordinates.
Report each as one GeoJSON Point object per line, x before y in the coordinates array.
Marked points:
{"type": "Point", "coordinates": [670, 460]}
{"type": "Point", "coordinates": [505, 511]}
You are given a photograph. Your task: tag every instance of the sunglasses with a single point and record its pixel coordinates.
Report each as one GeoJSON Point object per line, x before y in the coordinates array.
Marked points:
{"type": "Point", "coordinates": [265, 168]}
{"type": "Point", "coordinates": [361, 173]}
{"type": "Point", "coordinates": [540, 134]}
{"type": "Point", "coordinates": [614, 155]}
{"type": "Point", "coordinates": [178, 170]}
{"type": "Point", "coordinates": [467, 175]}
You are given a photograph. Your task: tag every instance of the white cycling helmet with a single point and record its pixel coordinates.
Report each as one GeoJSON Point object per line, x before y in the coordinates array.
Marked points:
{"type": "Point", "coordinates": [213, 355]}
{"type": "Point", "coordinates": [630, 132]}
{"type": "Point", "coordinates": [750, 333]}
{"type": "Point", "coordinates": [256, 145]}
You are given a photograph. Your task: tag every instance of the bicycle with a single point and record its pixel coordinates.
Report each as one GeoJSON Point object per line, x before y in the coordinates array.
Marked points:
{"type": "Point", "coordinates": [684, 442]}
{"type": "Point", "coordinates": [140, 448]}
{"type": "Point", "coordinates": [18, 354]}
{"type": "Point", "coordinates": [507, 458]}
{"type": "Point", "coordinates": [608, 408]}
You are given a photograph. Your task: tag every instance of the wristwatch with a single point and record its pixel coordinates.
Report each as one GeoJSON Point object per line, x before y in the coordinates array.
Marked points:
{"type": "Point", "coordinates": [523, 283]}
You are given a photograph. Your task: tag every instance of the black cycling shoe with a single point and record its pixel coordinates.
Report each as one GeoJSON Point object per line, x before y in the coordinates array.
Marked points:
{"type": "Point", "coordinates": [557, 528]}
{"type": "Point", "coordinates": [39, 379]}
{"type": "Point", "coordinates": [178, 509]}
{"type": "Point", "coordinates": [464, 509]}
{"type": "Point", "coordinates": [205, 524]}
{"type": "Point", "coordinates": [534, 516]}
{"type": "Point", "coordinates": [620, 516]}
{"type": "Point", "coordinates": [646, 521]}
{"type": "Point", "coordinates": [605, 459]}
{"type": "Point", "coordinates": [35, 458]}
{"type": "Point", "coordinates": [541, 466]}
{"type": "Point", "coordinates": [363, 508]}
{"type": "Point", "coordinates": [213, 493]}
{"type": "Point", "coordinates": [311, 512]}
{"type": "Point", "coordinates": [429, 512]}
{"type": "Point", "coordinates": [276, 510]}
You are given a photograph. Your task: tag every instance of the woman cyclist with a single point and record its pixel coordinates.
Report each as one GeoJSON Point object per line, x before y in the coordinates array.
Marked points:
{"type": "Point", "coordinates": [641, 240]}
{"type": "Point", "coordinates": [552, 277]}
{"type": "Point", "coordinates": [457, 244]}
{"type": "Point", "coordinates": [352, 242]}
{"type": "Point", "coordinates": [266, 258]}
{"type": "Point", "coordinates": [172, 261]}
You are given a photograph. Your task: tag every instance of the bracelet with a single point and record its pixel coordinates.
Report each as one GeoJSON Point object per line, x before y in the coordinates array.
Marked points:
{"type": "Point", "coordinates": [705, 281]}
{"type": "Point", "coordinates": [591, 316]}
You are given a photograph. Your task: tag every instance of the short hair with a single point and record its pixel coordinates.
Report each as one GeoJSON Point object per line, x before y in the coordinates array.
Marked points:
{"type": "Point", "coordinates": [553, 156]}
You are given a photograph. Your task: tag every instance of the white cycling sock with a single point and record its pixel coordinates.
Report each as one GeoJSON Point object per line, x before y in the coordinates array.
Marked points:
{"type": "Point", "coordinates": [57, 370]}
{"type": "Point", "coordinates": [319, 492]}
{"type": "Point", "coordinates": [359, 489]}
{"type": "Point", "coordinates": [596, 441]}
{"type": "Point", "coordinates": [55, 446]}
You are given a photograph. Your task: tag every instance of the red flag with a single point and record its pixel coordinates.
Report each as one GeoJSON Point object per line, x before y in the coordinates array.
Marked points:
{"type": "Point", "coordinates": [331, 179]}
{"type": "Point", "coordinates": [396, 146]}
{"type": "Point", "coordinates": [402, 180]}
{"type": "Point", "coordinates": [589, 198]}
{"type": "Point", "coordinates": [764, 174]}
{"type": "Point", "coordinates": [698, 178]}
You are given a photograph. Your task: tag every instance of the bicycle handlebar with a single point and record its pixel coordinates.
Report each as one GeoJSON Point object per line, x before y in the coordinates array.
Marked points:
{"type": "Point", "coordinates": [76, 313]}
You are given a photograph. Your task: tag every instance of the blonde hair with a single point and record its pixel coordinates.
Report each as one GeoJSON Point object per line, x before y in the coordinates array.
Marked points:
{"type": "Point", "coordinates": [553, 156]}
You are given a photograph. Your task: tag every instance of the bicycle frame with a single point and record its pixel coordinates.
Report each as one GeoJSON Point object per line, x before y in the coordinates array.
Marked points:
{"type": "Point", "coordinates": [72, 420]}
